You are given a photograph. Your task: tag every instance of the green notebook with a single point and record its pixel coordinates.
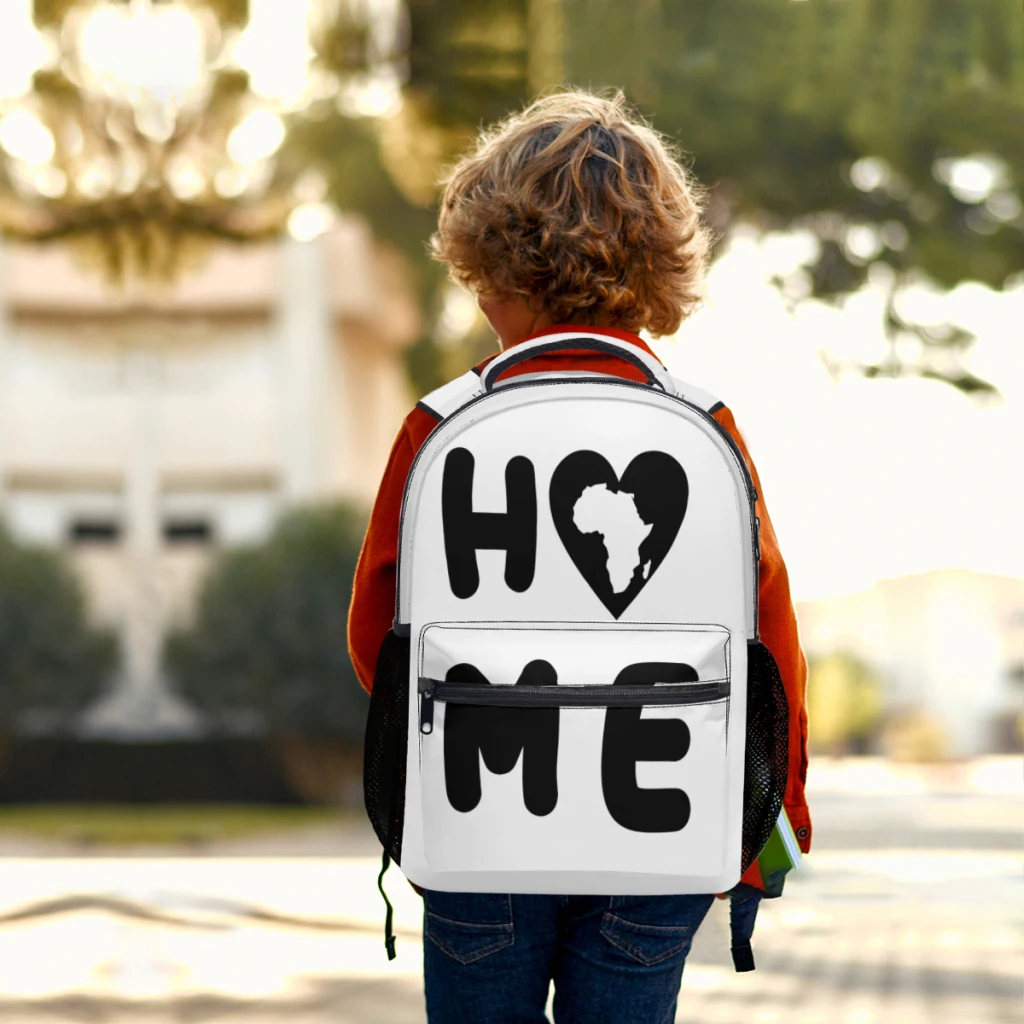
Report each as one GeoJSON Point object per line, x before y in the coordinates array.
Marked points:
{"type": "Point", "coordinates": [781, 852]}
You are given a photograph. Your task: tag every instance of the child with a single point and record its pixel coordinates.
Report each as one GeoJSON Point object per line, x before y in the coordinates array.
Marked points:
{"type": "Point", "coordinates": [573, 212]}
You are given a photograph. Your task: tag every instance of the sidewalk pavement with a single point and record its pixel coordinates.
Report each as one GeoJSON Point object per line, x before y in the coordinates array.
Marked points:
{"type": "Point", "coordinates": [908, 912]}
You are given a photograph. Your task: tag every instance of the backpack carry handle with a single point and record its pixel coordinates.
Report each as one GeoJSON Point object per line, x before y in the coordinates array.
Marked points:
{"type": "Point", "coordinates": [655, 374]}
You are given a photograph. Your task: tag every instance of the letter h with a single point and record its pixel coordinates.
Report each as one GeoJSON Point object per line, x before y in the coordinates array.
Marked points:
{"type": "Point", "coordinates": [513, 531]}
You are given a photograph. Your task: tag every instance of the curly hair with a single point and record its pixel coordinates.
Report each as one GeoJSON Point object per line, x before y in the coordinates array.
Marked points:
{"type": "Point", "coordinates": [579, 206]}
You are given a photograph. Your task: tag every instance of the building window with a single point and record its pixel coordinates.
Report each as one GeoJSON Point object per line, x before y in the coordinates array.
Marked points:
{"type": "Point", "coordinates": [188, 531]}
{"type": "Point", "coordinates": [94, 530]}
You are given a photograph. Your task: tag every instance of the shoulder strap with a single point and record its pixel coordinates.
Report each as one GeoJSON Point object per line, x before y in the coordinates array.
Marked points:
{"type": "Point", "coordinates": [649, 365]}
{"type": "Point", "coordinates": [697, 396]}
{"type": "Point", "coordinates": [451, 397]}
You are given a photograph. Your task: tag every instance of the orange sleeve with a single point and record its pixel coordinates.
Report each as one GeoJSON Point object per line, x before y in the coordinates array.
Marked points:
{"type": "Point", "coordinates": [372, 610]}
{"type": "Point", "coordinates": [777, 625]}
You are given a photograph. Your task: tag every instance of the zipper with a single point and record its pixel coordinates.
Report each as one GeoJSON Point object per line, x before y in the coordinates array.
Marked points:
{"type": "Point", "coordinates": [613, 382]}
{"type": "Point", "coordinates": [605, 696]}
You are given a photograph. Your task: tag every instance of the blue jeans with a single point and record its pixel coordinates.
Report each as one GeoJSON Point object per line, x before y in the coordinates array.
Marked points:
{"type": "Point", "coordinates": [488, 959]}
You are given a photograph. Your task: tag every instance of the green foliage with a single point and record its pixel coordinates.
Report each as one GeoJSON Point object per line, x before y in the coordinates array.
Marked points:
{"type": "Point", "coordinates": [781, 104]}
{"type": "Point", "coordinates": [844, 703]}
{"type": "Point", "coordinates": [269, 632]}
{"type": "Point", "coordinates": [469, 59]}
{"type": "Point", "coordinates": [777, 100]}
{"type": "Point", "coordinates": [127, 825]}
{"type": "Point", "coordinates": [859, 120]}
{"type": "Point", "coordinates": [349, 151]}
{"type": "Point", "coordinates": [52, 663]}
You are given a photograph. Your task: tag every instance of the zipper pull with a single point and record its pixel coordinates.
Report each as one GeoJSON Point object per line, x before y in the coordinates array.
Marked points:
{"type": "Point", "coordinates": [426, 706]}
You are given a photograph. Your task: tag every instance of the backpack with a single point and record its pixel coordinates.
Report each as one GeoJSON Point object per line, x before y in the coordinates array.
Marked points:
{"type": "Point", "coordinates": [573, 698]}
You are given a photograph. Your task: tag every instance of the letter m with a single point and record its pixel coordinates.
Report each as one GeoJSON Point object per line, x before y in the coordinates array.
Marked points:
{"type": "Point", "coordinates": [500, 736]}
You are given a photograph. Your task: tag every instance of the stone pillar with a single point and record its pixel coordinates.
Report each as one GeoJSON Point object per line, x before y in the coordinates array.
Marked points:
{"type": "Point", "coordinates": [305, 326]}
{"type": "Point", "coordinates": [138, 703]}
{"type": "Point", "coordinates": [143, 633]}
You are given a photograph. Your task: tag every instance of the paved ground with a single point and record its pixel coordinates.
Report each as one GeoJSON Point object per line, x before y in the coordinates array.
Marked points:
{"type": "Point", "coordinates": [909, 911]}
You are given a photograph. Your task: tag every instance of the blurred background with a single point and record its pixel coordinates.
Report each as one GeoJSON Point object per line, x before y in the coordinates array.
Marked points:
{"type": "Point", "coordinates": [216, 307]}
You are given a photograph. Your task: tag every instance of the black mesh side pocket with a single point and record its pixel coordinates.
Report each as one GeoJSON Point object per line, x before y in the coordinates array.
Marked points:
{"type": "Point", "coordinates": [387, 737]}
{"type": "Point", "coordinates": [767, 756]}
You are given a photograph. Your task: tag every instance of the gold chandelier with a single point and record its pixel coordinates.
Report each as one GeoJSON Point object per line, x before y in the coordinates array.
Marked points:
{"type": "Point", "coordinates": [144, 130]}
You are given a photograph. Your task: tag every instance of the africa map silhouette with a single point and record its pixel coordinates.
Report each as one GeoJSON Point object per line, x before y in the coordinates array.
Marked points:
{"type": "Point", "coordinates": [613, 515]}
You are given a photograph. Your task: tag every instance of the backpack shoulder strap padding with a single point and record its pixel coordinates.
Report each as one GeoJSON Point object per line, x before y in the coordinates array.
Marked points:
{"type": "Point", "coordinates": [451, 397]}
{"type": "Point", "coordinates": [697, 396]}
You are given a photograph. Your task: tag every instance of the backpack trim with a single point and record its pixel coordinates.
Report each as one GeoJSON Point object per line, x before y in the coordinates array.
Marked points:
{"type": "Point", "coordinates": [442, 402]}
{"type": "Point", "coordinates": [648, 364]}
{"type": "Point", "coordinates": [704, 400]}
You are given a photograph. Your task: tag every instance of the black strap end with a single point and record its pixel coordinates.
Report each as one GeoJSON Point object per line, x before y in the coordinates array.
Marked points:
{"type": "Point", "coordinates": [389, 916]}
{"type": "Point", "coordinates": [743, 958]}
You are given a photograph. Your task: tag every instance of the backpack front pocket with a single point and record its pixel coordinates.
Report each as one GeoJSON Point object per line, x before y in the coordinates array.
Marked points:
{"type": "Point", "coordinates": [567, 747]}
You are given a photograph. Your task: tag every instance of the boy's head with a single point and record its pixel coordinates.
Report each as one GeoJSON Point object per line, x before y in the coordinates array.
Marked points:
{"type": "Point", "coordinates": [578, 209]}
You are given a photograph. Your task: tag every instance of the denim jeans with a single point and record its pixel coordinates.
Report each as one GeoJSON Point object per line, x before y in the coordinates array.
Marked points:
{"type": "Point", "coordinates": [488, 959]}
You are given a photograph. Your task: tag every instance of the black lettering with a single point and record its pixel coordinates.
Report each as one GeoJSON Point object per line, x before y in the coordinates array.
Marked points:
{"type": "Point", "coordinates": [628, 739]}
{"type": "Point", "coordinates": [501, 736]}
{"type": "Point", "coordinates": [513, 531]}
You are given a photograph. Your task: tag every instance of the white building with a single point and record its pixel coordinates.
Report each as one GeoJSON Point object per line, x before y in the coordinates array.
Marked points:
{"type": "Point", "coordinates": [949, 642]}
{"type": "Point", "coordinates": [142, 430]}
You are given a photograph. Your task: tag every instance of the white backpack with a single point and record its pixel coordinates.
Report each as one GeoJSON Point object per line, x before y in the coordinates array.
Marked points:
{"type": "Point", "coordinates": [573, 698]}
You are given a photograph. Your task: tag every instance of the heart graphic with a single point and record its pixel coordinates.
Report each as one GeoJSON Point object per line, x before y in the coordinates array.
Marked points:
{"type": "Point", "coordinates": [618, 531]}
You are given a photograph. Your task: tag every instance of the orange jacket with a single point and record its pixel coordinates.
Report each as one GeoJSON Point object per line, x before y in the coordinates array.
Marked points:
{"type": "Point", "coordinates": [373, 595]}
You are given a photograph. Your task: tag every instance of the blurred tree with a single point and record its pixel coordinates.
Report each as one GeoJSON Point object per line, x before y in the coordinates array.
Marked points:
{"type": "Point", "coordinates": [844, 704]}
{"type": "Point", "coordinates": [52, 663]}
{"type": "Point", "coordinates": [914, 734]}
{"type": "Point", "coordinates": [469, 62]}
{"type": "Point", "coordinates": [266, 650]}
{"type": "Point", "coordinates": [268, 636]}
{"type": "Point", "coordinates": [893, 130]}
